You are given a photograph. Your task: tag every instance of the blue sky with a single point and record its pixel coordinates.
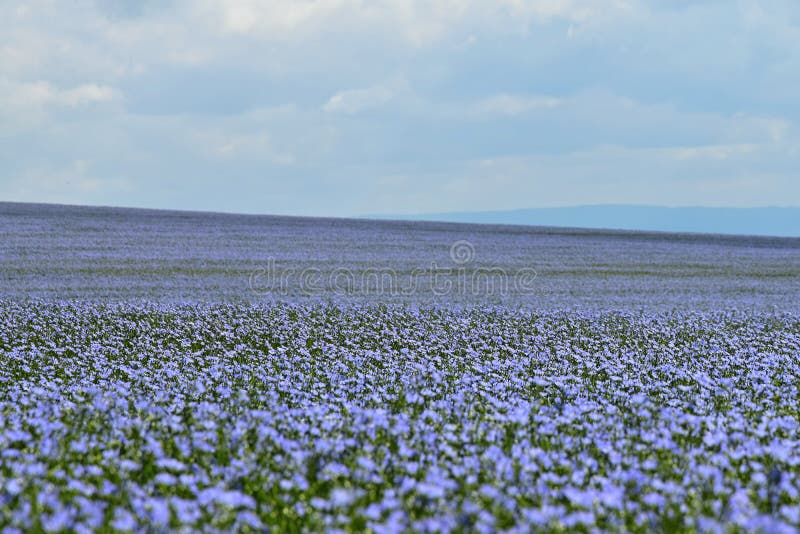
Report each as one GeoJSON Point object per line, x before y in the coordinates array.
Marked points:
{"type": "Point", "coordinates": [346, 107]}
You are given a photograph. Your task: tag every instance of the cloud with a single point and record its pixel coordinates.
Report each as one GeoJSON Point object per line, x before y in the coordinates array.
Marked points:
{"type": "Point", "coordinates": [417, 22]}
{"type": "Point", "coordinates": [258, 146]}
{"type": "Point", "coordinates": [714, 152]}
{"type": "Point", "coordinates": [45, 94]}
{"type": "Point", "coordinates": [505, 104]}
{"type": "Point", "coordinates": [73, 182]}
{"type": "Point", "coordinates": [85, 94]}
{"type": "Point", "coordinates": [30, 106]}
{"type": "Point", "coordinates": [357, 100]}
{"type": "Point", "coordinates": [600, 175]}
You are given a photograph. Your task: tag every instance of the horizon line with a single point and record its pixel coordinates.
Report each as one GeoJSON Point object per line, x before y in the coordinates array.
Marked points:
{"type": "Point", "coordinates": [413, 217]}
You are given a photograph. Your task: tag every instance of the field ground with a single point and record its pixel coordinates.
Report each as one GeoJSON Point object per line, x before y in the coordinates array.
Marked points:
{"type": "Point", "coordinates": [150, 382]}
{"type": "Point", "coordinates": [113, 254]}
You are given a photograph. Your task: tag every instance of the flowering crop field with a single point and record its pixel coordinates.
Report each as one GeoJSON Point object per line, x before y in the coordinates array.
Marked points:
{"type": "Point", "coordinates": [146, 386]}
{"type": "Point", "coordinates": [297, 417]}
{"type": "Point", "coordinates": [124, 255]}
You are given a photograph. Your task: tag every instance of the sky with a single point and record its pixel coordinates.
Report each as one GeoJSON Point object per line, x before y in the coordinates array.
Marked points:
{"type": "Point", "coordinates": [351, 107]}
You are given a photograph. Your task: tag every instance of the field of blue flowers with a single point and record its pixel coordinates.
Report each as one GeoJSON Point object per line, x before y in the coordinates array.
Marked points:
{"type": "Point", "coordinates": [298, 417]}
{"type": "Point", "coordinates": [172, 371]}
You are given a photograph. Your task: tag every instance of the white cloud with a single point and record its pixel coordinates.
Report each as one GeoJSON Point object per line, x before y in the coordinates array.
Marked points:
{"type": "Point", "coordinates": [70, 183]}
{"type": "Point", "coordinates": [356, 100]}
{"type": "Point", "coordinates": [27, 106]}
{"type": "Point", "coordinates": [85, 94]}
{"type": "Point", "coordinates": [714, 152]}
{"type": "Point", "coordinates": [416, 21]}
{"type": "Point", "coordinates": [600, 175]}
{"type": "Point", "coordinates": [504, 104]}
{"type": "Point", "coordinates": [39, 94]}
{"type": "Point", "coordinates": [256, 146]}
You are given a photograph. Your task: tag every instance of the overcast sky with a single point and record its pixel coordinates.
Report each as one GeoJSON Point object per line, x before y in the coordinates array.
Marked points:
{"type": "Point", "coordinates": [347, 107]}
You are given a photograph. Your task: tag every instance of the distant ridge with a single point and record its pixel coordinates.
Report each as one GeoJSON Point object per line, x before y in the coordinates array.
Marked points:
{"type": "Point", "coordinates": [768, 221]}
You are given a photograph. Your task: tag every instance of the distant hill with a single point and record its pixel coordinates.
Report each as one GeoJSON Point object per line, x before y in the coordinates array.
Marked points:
{"type": "Point", "coordinates": [784, 222]}
{"type": "Point", "coordinates": [180, 257]}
